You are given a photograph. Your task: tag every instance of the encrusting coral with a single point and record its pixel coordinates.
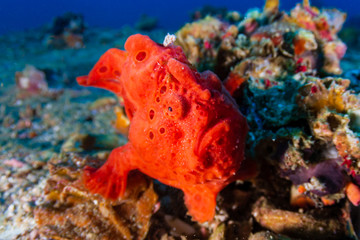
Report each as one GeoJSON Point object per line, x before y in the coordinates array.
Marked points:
{"type": "Point", "coordinates": [272, 81]}
{"type": "Point", "coordinates": [266, 46]}
{"type": "Point", "coordinates": [306, 124]}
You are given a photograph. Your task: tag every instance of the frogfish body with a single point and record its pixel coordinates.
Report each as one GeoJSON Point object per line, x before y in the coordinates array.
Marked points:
{"type": "Point", "coordinates": [185, 130]}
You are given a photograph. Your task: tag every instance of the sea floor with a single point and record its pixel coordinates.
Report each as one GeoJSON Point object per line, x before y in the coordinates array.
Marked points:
{"type": "Point", "coordinates": [35, 129]}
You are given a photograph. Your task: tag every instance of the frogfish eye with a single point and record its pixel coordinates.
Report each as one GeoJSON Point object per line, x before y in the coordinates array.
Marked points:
{"type": "Point", "coordinates": [175, 106]}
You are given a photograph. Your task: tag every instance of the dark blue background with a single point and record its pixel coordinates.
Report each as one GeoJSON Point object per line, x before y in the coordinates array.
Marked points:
{"type": "Point", "coordinates": [24, 14]}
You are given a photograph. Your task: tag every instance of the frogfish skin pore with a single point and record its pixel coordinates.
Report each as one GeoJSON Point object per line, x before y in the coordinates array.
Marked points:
{"type": "Point", "coordinates": [186, 130]}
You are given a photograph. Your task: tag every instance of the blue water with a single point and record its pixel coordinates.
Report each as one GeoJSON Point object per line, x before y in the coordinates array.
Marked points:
{"type": "Point", "coordinates": [26, 14]}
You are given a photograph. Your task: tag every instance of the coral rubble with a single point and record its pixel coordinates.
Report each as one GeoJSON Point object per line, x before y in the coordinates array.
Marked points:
{"type": "Point", "coordinates": [69, 211]}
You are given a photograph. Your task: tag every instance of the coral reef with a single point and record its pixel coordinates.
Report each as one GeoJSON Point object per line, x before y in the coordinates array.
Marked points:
{"type": "Point", "coordinates": [267, 45]}
{"type": "Point", "coordinates": [201, 41]}
{"type": "Point", "coordinates": [280, 67]}
{"type": "Point", "coordinates": [270, 78]}
{"type": "Point", "coordinates": [303, 125]}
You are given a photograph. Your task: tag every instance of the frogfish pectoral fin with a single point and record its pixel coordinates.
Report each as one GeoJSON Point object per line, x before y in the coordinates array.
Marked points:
{"type": "Point", "coordinates": [110, 179]}
{"type": "Point", "coordinates": [107, 71]}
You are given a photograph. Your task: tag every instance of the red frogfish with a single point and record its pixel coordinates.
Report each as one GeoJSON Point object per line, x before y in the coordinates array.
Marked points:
{"type": "Point", "coordinates": [185, 129]}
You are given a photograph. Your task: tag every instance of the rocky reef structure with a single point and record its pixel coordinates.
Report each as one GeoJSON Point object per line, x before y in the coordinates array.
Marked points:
{"type": "Point", "coordinates": [32, 82]}
{"type": "Point", "coordinates": [66, 31]}
{"type": "Point", "coordinates": [281, 68]}
{"type": "Point", "coordinates": [303, 40]}
{"type": "Point", "coordinates": [70, 211]}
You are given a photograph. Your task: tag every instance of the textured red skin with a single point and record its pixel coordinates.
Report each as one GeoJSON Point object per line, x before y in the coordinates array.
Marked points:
{"type": "Point", "coordinates": [186, 130]}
